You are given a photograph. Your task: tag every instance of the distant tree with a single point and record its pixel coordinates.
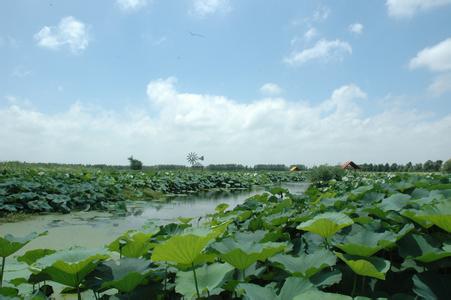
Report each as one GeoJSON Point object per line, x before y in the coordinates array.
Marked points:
{"type": "Point", "coordinates": [394, 167]}
{"type": "Point", "coordinates": [135, 164]}
{"type": "Point", "coordinates": [447, 166]}
{"type": "Point", "coordinates": [418, 167]}
{"type": "Point", "coordinates": [408, 167]}
{"type": "Point", "coordinates": [438, 165]}
{"type": "Point", "coordinates": [326, 173]}
{"type": "Point", "coordinates": [270, 167]}
{"type": "Point", "coordinates": [428, 166]}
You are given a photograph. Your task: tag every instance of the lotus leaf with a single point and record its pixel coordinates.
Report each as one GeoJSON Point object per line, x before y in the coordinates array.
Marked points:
{"type": "Point", "coordinates": [292, 287]}
{"type": "Point", "coordinates": [126, 274]}
{"type": "Point", "coordinates": [306, 265]}
{"type": "Point", "coordinates": [369, 266]}
{"type": "Point", "coordinates": [326, 224]}
{"type": "Point", "coordinates": [209, 279]}
{"type": "Point", "coordinates": [70, 267]}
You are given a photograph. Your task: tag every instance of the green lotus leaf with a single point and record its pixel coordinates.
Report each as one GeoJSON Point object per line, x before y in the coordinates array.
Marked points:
{"type": "Point", "coordinates": [243, 253]}
{"type": "Point", "coordinates": [360, 192]}
{"type": "Point", "coordinates": [370, 266]}
{"type": "Point", "coordinates": [365, 242]}
{"type": "Point", "coordinates": [184, 220]}
{"type": "Point", "coordinates": [292, 287]}
{"type": "Point", "coordinates": [316, 294]}
{"type": "Point", "coordinates": [326, 278]}
{"type": "Point", "coordinates": [256, 292]}
{"type": "Point", "coordinates": [126, 274]}
{"type": "Point", "coordinates": [209, 279]}
{"type": "Point", "coordinates": [414, 215]}
{"type": "Point", "coordinates": [306, 265]}
{"type": "Point", "coordinates": [31, 256]}
{"type": "Point", "coordinates": [422, 248]}
{"type": "Point", "coordinates": [182, 249]}
{"type": "Point", "coordinates": [220, 208]}
{"type": "Point", "coordinates": [132, 243]}
{"type": "Point", "coordinates": [71, 266]}
{"type": "Point", "coordinates": [326, 224]}
{"type": "Point", "coordinates": [8, 293]}
{"type": "Point", "coordinates": [438, 214]}
{"type": "Point", "coordinates": [10, 244]}
{"type": "Point", "coordinates": [395, 202]}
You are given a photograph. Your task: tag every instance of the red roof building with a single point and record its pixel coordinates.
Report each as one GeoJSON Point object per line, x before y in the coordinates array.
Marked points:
{"type": "Point", "coordinates": [350, 165]}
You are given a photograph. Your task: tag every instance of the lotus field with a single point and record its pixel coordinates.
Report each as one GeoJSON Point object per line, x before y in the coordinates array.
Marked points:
{"type": "Point", "coordinates": [366, 236]}
{"type": "Point", "coordinates": [57, 189]}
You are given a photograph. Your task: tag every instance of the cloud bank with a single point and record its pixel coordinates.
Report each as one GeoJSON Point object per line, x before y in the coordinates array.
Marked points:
{"type": "Point", "coordinates": [268, 130]}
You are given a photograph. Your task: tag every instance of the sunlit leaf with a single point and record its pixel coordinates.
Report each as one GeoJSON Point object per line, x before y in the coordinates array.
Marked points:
{"type": "Point", "coordinates": [326, 224]}
{"type": "Point", "coordinates": [369, 266]}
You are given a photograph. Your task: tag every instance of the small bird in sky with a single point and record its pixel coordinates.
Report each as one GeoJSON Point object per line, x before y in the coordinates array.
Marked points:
{"type": "Point", "coordinates": [194, 34]}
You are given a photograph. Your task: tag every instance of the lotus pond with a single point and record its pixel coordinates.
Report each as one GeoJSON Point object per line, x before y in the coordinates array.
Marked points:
{"type": "Point", "coordinates": [29, 189]}
{"type": "Point", "coordinates": [366, 236]}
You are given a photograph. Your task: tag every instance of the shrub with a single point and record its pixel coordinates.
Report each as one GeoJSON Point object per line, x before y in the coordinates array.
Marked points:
{"type": "Point", "coordinates": [135, 164]}
{"type": "Point", "coordinates": [326, 173]}
{"type": "Point", "coordinates": [446, 167]}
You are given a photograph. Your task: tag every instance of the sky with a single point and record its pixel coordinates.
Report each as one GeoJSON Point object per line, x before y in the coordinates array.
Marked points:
{"type": "Point", "coordinates": [308, 82]}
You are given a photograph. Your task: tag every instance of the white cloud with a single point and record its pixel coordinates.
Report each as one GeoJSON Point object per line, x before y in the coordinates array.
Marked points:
{"type": "Point", "coordinates": [70, 33]}
{"type": "Point", "coordinates": [408, 8]}
{"type": "Point", "coordinates": [270, 89]}
{"type": "Point", "coordinates": [131, 5]}
{"type": "Point", "coordinates": [435, 58]}
{"type": "Point", "coordinates": [310, 33]}
{"type": "Point", "coordinates": [441, 85]}
{"type": "Point", "coordinates": [270, 130]}
{"type": "Point", "coordinates": [324, 50]}
{"type": "Point", "coordinates": [321, 13]}
{"type": "Point", "coordinates": [356, 28]}
{"type": "Point", "coordinates": [203, 8]}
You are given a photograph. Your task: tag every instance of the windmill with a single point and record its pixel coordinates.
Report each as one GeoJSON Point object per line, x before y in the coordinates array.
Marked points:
{"type": "Point", "coordinates": [193, 159]}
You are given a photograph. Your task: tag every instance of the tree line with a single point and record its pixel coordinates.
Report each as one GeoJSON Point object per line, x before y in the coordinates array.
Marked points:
{"type": "Point", "coordinates": [427, 166]}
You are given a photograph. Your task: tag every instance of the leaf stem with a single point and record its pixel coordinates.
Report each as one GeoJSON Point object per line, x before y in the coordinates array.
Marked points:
{"type": "Point", "coordinates": [3, 269]}
{"type": "Point", "coordinates": [195, 281]}
{"type": "Point", "coordinates": [354, 285]}
{"type": "Point", "coordinates": [165, 277]}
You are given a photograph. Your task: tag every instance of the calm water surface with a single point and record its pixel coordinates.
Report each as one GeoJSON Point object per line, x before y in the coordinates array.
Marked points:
{"type": "Point", "coordinates": [95, 229]}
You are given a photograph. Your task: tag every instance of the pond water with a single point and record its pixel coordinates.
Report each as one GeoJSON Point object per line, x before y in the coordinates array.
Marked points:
{"type": "Point", "coordinates": [95, 229]}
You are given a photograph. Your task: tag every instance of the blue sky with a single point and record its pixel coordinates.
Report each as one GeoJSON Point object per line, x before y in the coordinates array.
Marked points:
{"type": "Point", "coordinates": [326, 81]}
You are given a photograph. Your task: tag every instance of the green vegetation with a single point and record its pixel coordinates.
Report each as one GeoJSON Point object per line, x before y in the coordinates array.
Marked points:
{"type": "Point", "coordinates": [365, 236]}
{"type": "Point", "coordinates": [63, 189]}
{"type": "Point", "coordinates": [135, 164]}
{"type": "Point", "coordinates": [427, 166]}
{"type": "Point", "coordinates": [326, 173]}
{"type": "Point", "coordinates": [447, 166]}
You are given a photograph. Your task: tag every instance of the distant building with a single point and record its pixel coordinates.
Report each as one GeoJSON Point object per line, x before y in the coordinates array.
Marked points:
{"type": "Point", "coordinates": [295, 169]}
{"type": "Point", "coordinates": [350, 165]}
